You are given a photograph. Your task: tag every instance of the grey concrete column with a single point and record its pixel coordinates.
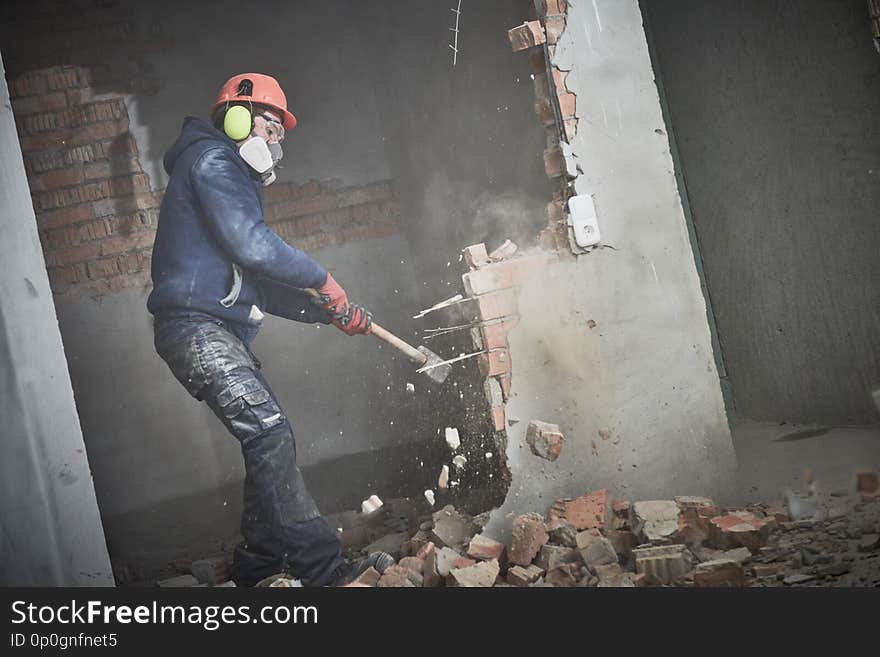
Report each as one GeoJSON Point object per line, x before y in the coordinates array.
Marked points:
{"type": "Point", "coordinates": [50, 527]}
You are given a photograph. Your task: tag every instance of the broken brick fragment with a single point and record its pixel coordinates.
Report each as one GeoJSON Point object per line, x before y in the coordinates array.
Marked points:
{"type": "Point", "coordinates": [503, 252]}
{"type": "Point", "coordinates": [482, 548]}
{"type": "Point", "coordinates": [370, 577]}
{"type": "Point", "coordinates": [482, 574]}
{"type": "Point", "coordinates": [739, 529]}
{"type": "Point", "coordinates": [527, 35]}
{"type": "Point", "coordinates": [564, 575]}
{"type": "Point", "coordinates": [395, 577]}
{"type": "Point", "coordinates": [413, 564]}
{"type": "Point", "coordinates": [524, 576]}
{"type": "Point", "coordinates": [588, 511]}
{"type": "Point", "coordinates": [475, 255]}
{"type": "Point", "coordinates": [720, 573]}
{"type": "Point", "coordinates": [527, 537]}
{"type": "Point", "coordinates": [545, 439]}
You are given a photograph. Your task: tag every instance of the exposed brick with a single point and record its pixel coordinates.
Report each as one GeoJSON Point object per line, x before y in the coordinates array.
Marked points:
{"type": "Point", "coordinates": [42, 103]}
{"type": "Point", "coordinates": [123, 146]}
{"type": "Point", "coordinates": [567, 104]}
{"type": "Point", "coordinates": [552, 7]}
{"type": "Point", "coordinates": [64, 216]}
{"type": "Point", "coordinates": [527, 35]}
{"type": "Point", "coordinates": [504, 381]}
{"type": "Point", "coordinates": [103, 268]}
{"type": "Point", "coordinates": [60, 277]}
{"type": "Point", "coordinates": [63, 79]}
{"type": "Point", "coordinates": [127, 204]}
{"type": "Point", "coordinates": [496, 305]}
{"type": "Point", "coordinates": [554, 162]}
{"type": "Point", "coordinates": [493, 333]}
{"type": "Point", "coordinates": [570, 126]}
{"type": "Point", "coordinates": [133, 262]}
{"type": "Point", "coordinates": [494, 362]}
{"type": "Point", "coordinates": [554, 26]}
{"type": "Point", "coordinates": [56, 179]}
{"type": "Point", "coordinates": [120, 244]}
{"type": "Point", "coordinates": [498, 418]}
{"type": "Point", "coordinates": [475, 255]}
{"type": "Point", "coordinates": [32, 84]}
{"type": "Point", "coordinates": [527, 537]}
{"type": "Point", "coordinates": [109, 168]}
{"type": "Point", "coordinates": [72, 255]}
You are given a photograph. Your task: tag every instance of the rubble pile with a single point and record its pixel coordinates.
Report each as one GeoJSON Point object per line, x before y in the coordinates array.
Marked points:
{"type": "Point", "coordinates": [597, 541]}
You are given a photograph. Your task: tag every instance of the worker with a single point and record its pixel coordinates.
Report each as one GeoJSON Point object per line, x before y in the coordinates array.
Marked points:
{"type": "Point", "coordinates": [217, 269]}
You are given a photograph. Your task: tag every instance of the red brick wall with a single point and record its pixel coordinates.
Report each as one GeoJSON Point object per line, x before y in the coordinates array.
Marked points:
{"type": "Point", "coordinates": [94, 205]}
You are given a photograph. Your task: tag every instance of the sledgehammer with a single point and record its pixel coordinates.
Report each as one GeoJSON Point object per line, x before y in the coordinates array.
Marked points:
{"type": "Point", "coordinates": [426, 360]}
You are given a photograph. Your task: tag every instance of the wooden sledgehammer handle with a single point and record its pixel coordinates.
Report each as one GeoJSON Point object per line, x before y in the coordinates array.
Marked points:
{"type": "Point", "coordinates": [386, 336]}
{"type": "Point", "coordinates": [414, 354]}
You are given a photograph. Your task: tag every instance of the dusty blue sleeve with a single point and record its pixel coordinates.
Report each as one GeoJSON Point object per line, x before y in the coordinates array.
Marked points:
{"type": "Point", "coordinates": [231, 206]}
{"type": "Point", "coordinates": [290, 303]}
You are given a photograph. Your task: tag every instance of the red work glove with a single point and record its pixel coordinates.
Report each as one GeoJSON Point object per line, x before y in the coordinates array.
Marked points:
{"type": "Point", "coordinates": [351, 319]}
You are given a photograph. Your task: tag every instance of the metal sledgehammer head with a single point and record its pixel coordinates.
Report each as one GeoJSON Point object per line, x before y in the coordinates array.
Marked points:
{"type": "Point", "coordinates": [435, 368]}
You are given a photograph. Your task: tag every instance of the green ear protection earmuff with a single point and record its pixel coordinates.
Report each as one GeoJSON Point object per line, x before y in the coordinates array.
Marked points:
{"type": "Point", "coordinates": [238, 122]}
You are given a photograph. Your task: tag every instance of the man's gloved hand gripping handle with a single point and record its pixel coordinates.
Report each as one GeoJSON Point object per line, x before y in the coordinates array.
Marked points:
{"type": "Point", "coordinates": [350, 318]}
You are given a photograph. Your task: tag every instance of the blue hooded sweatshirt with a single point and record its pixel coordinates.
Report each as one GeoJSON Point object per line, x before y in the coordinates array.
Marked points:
{"type": "Point", "coordinates": [213, 252]}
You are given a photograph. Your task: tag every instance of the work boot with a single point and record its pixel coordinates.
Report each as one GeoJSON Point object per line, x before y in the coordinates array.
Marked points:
{"type": "Point", "coordinates": [351, 570]}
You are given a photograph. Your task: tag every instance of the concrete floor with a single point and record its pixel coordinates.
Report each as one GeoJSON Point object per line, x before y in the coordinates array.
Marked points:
{"type": "Point", "coordinates": [774, 456]}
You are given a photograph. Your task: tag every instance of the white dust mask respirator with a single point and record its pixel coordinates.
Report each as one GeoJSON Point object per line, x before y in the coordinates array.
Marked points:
{"type": "Point", "coordinates": [261, 157]}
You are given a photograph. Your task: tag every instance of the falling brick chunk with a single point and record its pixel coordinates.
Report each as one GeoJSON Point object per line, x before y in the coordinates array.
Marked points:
{"type": "Point", "coordinates": [585, 512]}
{"type": "Point", "coordinates": [667, 563]}
{"type": "Point", "coordinates": [503, 252]}
{"type": "Point", "coordinates": [867, 483]}
{"type": "Point", "coordinates": [519, 576]}
{"type": "Point", "coordinates": [527, 537]}
{"type": "Point", "coordinates": [544, 439]}
{"type": "Point", "coordinates": [655, 520]}
{"type": "Point", "coordinates": [484, 549]}
{"type": "Point", "coordinates": [527, 35]}
{"type": "Point", "coordinates": [475, 255]}
{"type": "Point", "coordinates": [482, 574]}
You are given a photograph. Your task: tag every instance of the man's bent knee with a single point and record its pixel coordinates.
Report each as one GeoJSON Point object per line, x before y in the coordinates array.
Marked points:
{"type": "Point", "coordinates": [245, 405]}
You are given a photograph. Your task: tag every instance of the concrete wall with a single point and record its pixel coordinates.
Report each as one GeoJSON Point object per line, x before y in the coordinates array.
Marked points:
{"type": "Point", "coordinates": [775, 109]}
{"type": "Point", "coordinates": [50, 529]}
{"type": "Point", "coordinates": [377, 97]}
{"type": "Point", "coordinates": [637, 395]}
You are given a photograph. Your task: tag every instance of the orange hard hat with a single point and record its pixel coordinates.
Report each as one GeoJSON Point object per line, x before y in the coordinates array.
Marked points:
{"type": "Point", "coordinates": [256, 88]}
